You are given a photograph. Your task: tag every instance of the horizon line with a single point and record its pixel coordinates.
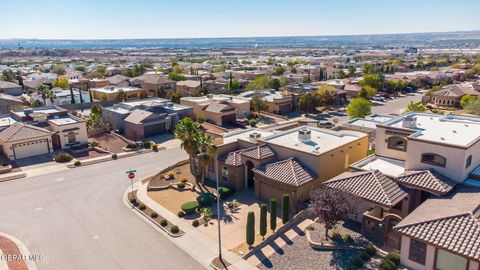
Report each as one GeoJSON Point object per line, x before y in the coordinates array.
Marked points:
{"type": "Point", "coordinates": [232, 37]}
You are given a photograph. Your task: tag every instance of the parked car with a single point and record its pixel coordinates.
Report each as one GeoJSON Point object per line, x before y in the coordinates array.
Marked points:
{"type": "Point", "coordinates": [379, 98]}
{"type": "Point", "coordinates": [326, 124]}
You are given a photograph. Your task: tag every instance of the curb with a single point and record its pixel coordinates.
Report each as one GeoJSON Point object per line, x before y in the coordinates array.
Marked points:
{"type": "Point", "coordinates": [23, 250]}
{"type": "Point", "coordinates": [12, 177]}
{"type": "Point", "coordinates": [108, 158]}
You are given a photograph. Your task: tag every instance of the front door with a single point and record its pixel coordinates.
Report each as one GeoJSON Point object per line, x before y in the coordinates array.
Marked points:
{"type": "Point", "coordinates": [250, 175]}
{"type": "Point", "coordinates": [393, 237]}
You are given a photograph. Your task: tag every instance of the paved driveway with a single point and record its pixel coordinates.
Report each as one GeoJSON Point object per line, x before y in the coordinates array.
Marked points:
{"type": "Point", "coordinates": [76, 219]}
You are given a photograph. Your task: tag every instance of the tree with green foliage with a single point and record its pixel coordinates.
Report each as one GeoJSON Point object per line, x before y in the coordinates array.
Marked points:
{"type": "Point", "coordinates": [80, 68]}
{"type": "Point", "coordinates": [175, 98]}
{"type": "Point", "coordinates": [260, 82]}
{"type": "Point", "coordinates": [326, 95]}
{"type": "Point", "coordinates": [101, 70]}
{"type": "Point", "coordinates": [8, 75]}
{"type": "Point", "coordinates": [341, 74]}
{"type": "Point", "coordinates": [36, 103]}
{"type": "Point", "coordinates": [233, 85]}
{"type": "Point", "coordinates": [473, 107]}
{"type": "Point", "coordinates": [372, 80]}
{"type": "Point", "coordinates": [186, 131]}
{"type": "Point", "coordinates": [45, 93]}
{"type": "Point", "coordinates": [121, 96]}
{"type": "Point", "coordinates": [308, 102]}
{"type": "Point", "coordinates": [273, 214]}
{"type": "Point", "coordinates": [263, 220]}
{"type": "Point", "coordinates": [62, 83]}
{"type": "Point", "coordinates": [359, 108]}
{"type": "Point", "coordinates": [285, 208]}
{"type": "Point", "coordinates": [351, 70]}
{"type": "Point", "coordinates": [250, 228]}
{"type": "Point", "coordinates": [368, 69]}
{"type": "Point", "coordinates": [466, 99]}
{"type": "Point", "coordinates": [367, 92]}
{"type": "Point", "coordinates": [206, 148]}
{"type": "Point", "coordinates": [59, 70]}
{"type": "Point", "coordinates": [96, 108]}
{"type": "Point", "coordinates": [415, 107]}
{"type": "Point", "coordinates": [275, 83]}
{"type": "Point", "coordinates": [176, 77]}
{"type": "Point", "coordinates": [258, 104]}
{"type": "Point", "coordinates": [280, 70]}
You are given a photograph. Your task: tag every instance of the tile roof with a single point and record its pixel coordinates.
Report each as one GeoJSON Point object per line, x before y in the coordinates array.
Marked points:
{"type": "Point", "coordinates": [428, 180]}
{"type": "Point", "coordinates": [21, 131]}
{"type": "Point", "coordinates": [218, 107]}
{"type": "Point", "coordinates": [259, 152]}
{"type": "Point", "coordinates": [5, 84]}
{"type": "Point", "coordinates": [233, 158]}
{"type": "Point", "coordinates": [289, 171]}
{"type": "Point", "coordinates": [153, 79]}
{"type": "Point", "coordinates": [450, 222]}
{"type": "Point", "coordinates": [372, 186]}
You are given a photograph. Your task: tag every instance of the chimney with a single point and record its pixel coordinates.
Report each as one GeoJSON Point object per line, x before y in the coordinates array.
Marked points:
{"type": "Point", "coordinates": [409, 121]}
{"type": "Point", "coordinates": [253, 137]}
{"type": "Point", "coordinates": [304, 135]}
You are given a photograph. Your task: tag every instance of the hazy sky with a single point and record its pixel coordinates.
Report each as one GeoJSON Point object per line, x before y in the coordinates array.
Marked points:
{"type": "Point", "coordinates": [82, 19]}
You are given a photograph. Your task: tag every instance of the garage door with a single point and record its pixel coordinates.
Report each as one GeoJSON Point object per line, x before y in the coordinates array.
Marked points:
{"type": "Point", "coordinates": [155, 129]}
{"type": "Point", "coordinates": [267, 192]}
{"type": "Point", "coordinates": [285, 108]}
{"type": "Point", "coordinates": [30, 149]}
{"type": "Point", "coordinates": [229, 119]}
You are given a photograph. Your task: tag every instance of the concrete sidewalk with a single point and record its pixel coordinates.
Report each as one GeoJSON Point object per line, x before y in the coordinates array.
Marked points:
{"type": "Point", "coordinates": [11, 246]}
{"type": "Point", "coordinates": [196, 244]}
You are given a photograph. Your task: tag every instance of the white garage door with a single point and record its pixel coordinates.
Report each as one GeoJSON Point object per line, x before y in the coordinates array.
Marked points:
{"type": "Point", "coordinates": [30, 149]}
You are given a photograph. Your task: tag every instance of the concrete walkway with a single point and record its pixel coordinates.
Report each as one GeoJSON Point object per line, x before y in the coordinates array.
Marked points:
{"type": "Point", "coordinates": [196, 244]}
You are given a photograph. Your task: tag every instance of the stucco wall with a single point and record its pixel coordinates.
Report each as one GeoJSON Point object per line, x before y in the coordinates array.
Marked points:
{"type": "Point", "coordinates": [404, 260]}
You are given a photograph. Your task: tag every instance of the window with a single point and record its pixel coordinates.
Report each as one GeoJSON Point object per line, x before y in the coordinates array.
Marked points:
{"type": "Point", "coordinates": [434, 159]}
{"type": "Point", "coordinates": [398, 206]}
{"type": "Point", "coordinates": [448, 261]}
{"type": "Point", "coordinates": [397, 143]}
{"type": "Point", "coordinates": [71, 137]}
{"type": "Point", "coordinates": [469, 161]}
{"type": "Point", "coordinates": [224, 174]}
{"type": "Point", "coordinates": [417, 251]}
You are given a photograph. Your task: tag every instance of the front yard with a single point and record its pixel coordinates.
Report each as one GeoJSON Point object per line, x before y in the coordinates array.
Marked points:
{"type": "Point", "coordinates": [109, 142]}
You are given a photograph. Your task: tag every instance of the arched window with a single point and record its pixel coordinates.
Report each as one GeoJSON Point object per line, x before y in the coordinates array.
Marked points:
{"type": "Point", "coordinates": [397, 143]}
{"type": "Point", "coordinates": [71, 137]}
{"type": "Point", "coordinates": [469, 161]}
{"type": "Point", "coordinates": [434, 159]}
{"type": "Point", "coordinates": [225, 173]}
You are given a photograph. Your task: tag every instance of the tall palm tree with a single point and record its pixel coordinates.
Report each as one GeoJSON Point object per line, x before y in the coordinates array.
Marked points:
{"type": "Point", "coordinates": [206, 148]}
{"type": "Point", "coordinates": [186, 131]}
{"type": "Point", "coordinates": [45, 93]}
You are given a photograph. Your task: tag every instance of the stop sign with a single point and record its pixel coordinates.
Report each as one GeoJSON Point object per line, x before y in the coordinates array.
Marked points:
{"type": "Point", "coordinates": [131, 175]}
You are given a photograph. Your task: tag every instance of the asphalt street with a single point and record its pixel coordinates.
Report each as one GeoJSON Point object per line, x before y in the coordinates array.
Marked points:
{"type": "Point", "coordinates": [76, 218]}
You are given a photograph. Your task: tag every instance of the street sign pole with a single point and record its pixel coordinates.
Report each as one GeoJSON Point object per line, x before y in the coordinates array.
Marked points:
{"type": "Point", "coordinates": [131, 176]}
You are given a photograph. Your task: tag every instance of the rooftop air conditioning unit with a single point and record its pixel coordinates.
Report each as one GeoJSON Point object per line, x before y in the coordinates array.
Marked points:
{"type": "Point", "coordinates": [304, 135]}
{"type": "Point", "coordinates": [409, 121]}
{"type": "Point", "coordinates": [209, 96]}
{"type": "Point", "coordinates": [253, 137]}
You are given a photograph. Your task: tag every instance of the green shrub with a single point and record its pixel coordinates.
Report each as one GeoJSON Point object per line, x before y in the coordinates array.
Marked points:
{"type": "Point", "coordinates": [189, 207]}
{"type": "Point", "coordinates": [147, 144]}
{"type": "Point", "coordinates": [184, 180]}
{"type": "Point", "coordinates": [154, 215]}
{"type": "Point", "coordinates": [253, 123]}
{"type": "Point", "coordinates": [387, 265]}
{"type": "Point", "coordinates": [171, 175]}
{"type": "Point", "coordinates": [394, 257]}
{"type": "Point", "coordinates": [174, 229]}
{"type": "Point", "coordinates": [263, 220]}
{"type": "Point", "coordinates": [63, 157]}
{"type": "Point", "coordinates": [201, 118]}
{"type": "Point", "coordinates": [285, 208]}
{"type": "Point", "coordinates": [371, 250]}
{"type": "Point", "coordinates": [142, 207]}
{"type": "Point", "coordinates": [365, 256]}
{"type": "Point", "coordinates": [224, 192]}
{"type": "Point", "coordinates": [273, 214]}
{"type": "Point", "coordinates": [180, 214]}
{"type": "Point", "coordinates": [114, 156]}
{"type": "Point", "coordinates": [77, 163]}
{"type": "Point", "coordinates": [155, 147]}
{"type": "Point", "coordinates": [195, 223]}
{"type": "Point", "coordinates": [250, 228]}
{"type": "Point", "coordinates": [181, 185]}
{"type": "Point", "coordinates": [357, 262]}
{"type": "Point", "coordinates": [336, 235]}
{"type": "Point", "coordinates": [133, 201]}
{"type": "Point", "coordinates": [206, 199]}
{"type": "Point", "coordinates": [163, 223]}
{"type": "Point", "coordinates": [348, 239]}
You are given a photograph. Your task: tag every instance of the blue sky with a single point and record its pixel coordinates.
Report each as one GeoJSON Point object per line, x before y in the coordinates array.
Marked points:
{"type": "Point", "coordinates": [103, 19]}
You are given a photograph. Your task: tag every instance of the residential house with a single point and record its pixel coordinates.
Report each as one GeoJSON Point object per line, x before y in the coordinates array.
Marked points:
{"type": "Point", "coordinates": [10, 88]}
{"type": "Point", "coordinates": [451, 95]}
{"type": "Point", "coordinates": [277, 102]}
{"type": "Point", "coordinates": [110, 93]}
{"type": "Point", "coordinates": [154, 84]}
{"type": "Point", "coordinates": [188, 87]}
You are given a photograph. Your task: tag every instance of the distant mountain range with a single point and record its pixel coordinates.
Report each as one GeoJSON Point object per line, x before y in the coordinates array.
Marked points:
{"type": "Point", "coordinates": [444, 39]}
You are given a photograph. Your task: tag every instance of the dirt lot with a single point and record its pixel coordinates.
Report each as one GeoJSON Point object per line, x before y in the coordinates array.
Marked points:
{"type": "Point", "coordinates": [172, 199]}
{"type": "Point", "coordinates": [110, 143]}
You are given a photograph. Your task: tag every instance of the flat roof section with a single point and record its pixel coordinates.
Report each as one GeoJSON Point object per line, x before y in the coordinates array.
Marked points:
{"type": "Point", "coordinates": [388, 166]}
{"type": "Point", "coordinates": [245, 135]}
{"type": "Point", "coordinates": [63, 120]}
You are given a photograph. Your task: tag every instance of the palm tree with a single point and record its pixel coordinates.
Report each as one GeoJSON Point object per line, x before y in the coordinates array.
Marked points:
{"type": "Point", "coordinates": [45, 93]}
{"type": "Point", "coordinates": [186, 131]}
{"type": "Point", "coordinates": [206, 148]}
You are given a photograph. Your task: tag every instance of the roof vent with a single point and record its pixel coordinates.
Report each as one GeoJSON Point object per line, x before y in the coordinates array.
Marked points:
{"type": "Point", "coordinates": [304, 135]}
{"type": "Point", "coordinates": [209, 96]}
{"type": "Point", "coordinates": [442, 138]}
{"type": "Point", "coordinates": [253, 137]}
{"type": "Point", "coordinates": [409, 121]}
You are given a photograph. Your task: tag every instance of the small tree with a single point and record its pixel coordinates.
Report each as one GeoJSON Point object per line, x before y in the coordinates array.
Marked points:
{"type": "Point", "coordinates": [359, 107]}
{"type": "Point", "coordinates": [273, 214]}
{"type": "Point", "coordinates": [258, 104]}
{"type": "Point", "coordinates": [466, 99]}
{"type": "Point", "coordinates": [263, 220]}
{"type": "Point", "coordinates": [415, 107]}
{"type": "Point", "coordinates": [331, 206]}
{"type": "Point", "coordinates": [250, 228]}
{"type": "Point", "coordinates": [285, 208]}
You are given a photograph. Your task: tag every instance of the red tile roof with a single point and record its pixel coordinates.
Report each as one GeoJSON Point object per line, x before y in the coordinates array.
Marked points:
{"type": "Point", "coordinates": [259, 152]}
{"type": "Point", "coordinates": [427, 180]}
{"type": "Point", "coordinates": [372, 186]}
{"type": "Point", "coordinates": [289, 171]}
{"type": "Point", "coordinates": [451, 222]}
